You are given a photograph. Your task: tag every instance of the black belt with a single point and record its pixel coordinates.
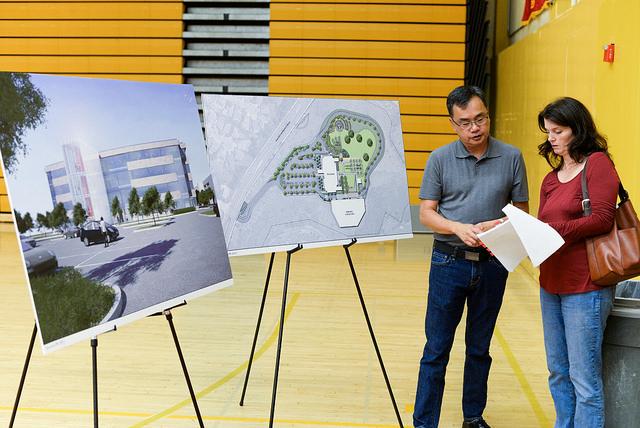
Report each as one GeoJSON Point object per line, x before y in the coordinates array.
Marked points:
{"type": "Point", "coordinates": [465, 253]}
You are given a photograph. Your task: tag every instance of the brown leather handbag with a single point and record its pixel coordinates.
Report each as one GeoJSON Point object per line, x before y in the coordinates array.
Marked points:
{"type": "Point", "coordinates": [615, 255]}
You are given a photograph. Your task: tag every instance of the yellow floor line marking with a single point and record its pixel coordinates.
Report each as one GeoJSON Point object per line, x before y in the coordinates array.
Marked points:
{"type": "Point", "coordinates": [526, 274]}
{"type": "Point", "coordinates": [206, 418]}
{"type": "Point", "coordinates": [73, 412]}
{"type": "Point", "coordinates": [289, 421]}
{"type": "Point", "coordinates": [240, 369]}
{"type": "Point", "coordinates": [522, 380]}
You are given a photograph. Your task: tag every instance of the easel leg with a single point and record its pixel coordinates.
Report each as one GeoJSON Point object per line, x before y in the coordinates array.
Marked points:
{"type": "Point", "coordinates": [282, 312]}
{"type": "Point", "coordinates": [94, 360]}
{"type": "Point", "coordinates": [373, 337]}
{"type": "Point", "coordinates": [24, 375]}
{"type": "Point", "coordinates": [255, 336]}
{"type": "Point", "coordinates": [169, 317]}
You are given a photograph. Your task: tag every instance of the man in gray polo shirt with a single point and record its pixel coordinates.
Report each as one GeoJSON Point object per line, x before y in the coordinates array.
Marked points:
{"type": "Point", "coordinates": [464, 188]}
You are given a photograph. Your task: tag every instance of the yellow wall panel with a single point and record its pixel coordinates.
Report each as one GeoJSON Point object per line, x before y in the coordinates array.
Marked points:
{"type": "Point", "coordinates": [414, 177]}
{"type": "Point", "coordinates": [426, 124]}
{"type": "Point", "coordinates": [84, 46]}
{"type": "Point", "coordinates": [4, 200]}
{"type": "Point", "coordinates": [416, 160]}
{"type": "Point", "coordinates": [90, 65]}
{"type": "Point", "coordinates": [68, 28]}
{"type": "Point", "coordinates": [564, 58]}
{"type": "Point", "coordinates": [460, 2]}
{"type": "Point", "coordinates": [371, 68]}
{"type": "Point", "coordinates": [136, 40]}
{"type": "Point", "coordinates": [413, 196]}
{"type": "Point", "coordinates": [62, 3]}
{"type": "Point", "coordinates": [367, 49]}
{"type": "Point", "coordinates": [372, 13]}
{"type": "Point", "coordinates": [367, 31]}
{"type": "Point", "coordinates": [90, 10]}
{"type": "Point", "coordinates": [5, 207]}
{"type": "Point", "coordinates": [357, 86]}
{"type": "Point", "coordinates": [426, 142]}
{"type": "Point", "coordinates": [158, 78]}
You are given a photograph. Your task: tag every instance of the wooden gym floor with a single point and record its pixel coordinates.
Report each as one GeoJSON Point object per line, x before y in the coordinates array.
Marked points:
{"type": "Point", "coordinates": [329, 374]}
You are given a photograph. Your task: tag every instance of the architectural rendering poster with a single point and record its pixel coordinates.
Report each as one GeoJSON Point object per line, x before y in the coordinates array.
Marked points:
{"type": "Point", "coordinates": [113, 203]}
{"type": "Point", "coordinates": [316, 172]}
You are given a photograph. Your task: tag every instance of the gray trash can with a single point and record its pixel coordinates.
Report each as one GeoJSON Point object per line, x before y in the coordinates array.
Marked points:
{"type": "Point", "coordinates": [621, 359]}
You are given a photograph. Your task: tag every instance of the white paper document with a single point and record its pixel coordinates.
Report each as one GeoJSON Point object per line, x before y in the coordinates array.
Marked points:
{"type": "Point", "coordinates": [520, 236]}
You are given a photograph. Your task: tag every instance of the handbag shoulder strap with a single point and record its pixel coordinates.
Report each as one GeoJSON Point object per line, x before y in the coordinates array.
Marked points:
{"type": "Point", "coordinates": [586, 202]}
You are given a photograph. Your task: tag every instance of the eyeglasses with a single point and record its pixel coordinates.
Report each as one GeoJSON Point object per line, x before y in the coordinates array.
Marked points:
{"type": "Point", "coordinates": [467, 124]}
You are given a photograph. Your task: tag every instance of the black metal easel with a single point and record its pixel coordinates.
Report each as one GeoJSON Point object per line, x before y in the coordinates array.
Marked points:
{"type": "Point", "coordinates": [94, 354]}
{"type": "Point", "coordinates": [94, 360]}
{"type": "Point", "coordinates": [24, 375]}
{"type": "Point", "coordinates": [169, 316]}
{"type": "Point", "coordinates": [282, 313]}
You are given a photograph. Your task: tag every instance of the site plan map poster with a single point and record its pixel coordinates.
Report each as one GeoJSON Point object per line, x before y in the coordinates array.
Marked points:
{"type": "Point", "coordinates": [104, 199]}
{"type": "Point", "coordinates": [316, 172]}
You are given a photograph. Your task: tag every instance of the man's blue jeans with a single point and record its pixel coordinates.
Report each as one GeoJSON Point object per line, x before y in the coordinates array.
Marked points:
{"type": "Point", "coordinates": [573, 332]}
{"type": "Point", "coordinates": [452, 283]}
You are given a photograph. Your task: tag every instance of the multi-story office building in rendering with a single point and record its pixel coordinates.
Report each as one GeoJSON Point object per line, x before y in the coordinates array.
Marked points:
{"type": "Point", "coordinates": [59, 184]}
{"type": "Point", "coordinates": [162, 164]}
{"type": "Point", "coordinates": [68, 180]}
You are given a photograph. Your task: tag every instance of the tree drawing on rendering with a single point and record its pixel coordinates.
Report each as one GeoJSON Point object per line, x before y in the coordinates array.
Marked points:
{"type": "Point", "coordinates": [116, 209]}
{"type": "Point", "coordinates": [22, 107]}
{"type": "Point", "coordinates": [42, 220]}
{"type": "Point", "coordinates": [134, 204]}
{"type": "Point", "coordinates": [151, 203]}
{"type": "Point", "coordinates": [21, 222]}
{"type": "Point", "coordinates": [169, 202]}
{"type": "Point", "coordinates": [58, 216]}
{"type": "Point", "coordinates": [79, 214]}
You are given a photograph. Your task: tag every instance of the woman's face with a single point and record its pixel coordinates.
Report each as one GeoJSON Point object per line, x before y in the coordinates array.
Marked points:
{"type": "Point", "coordinates": [559, 136]}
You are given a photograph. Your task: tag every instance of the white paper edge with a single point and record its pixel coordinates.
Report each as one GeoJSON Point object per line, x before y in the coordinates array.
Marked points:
{"type": "Point", "coordinates": [558, 240]}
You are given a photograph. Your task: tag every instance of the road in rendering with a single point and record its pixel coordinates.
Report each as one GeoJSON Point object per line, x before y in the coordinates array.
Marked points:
{"type": "Point", "coordinates": [155, 264]}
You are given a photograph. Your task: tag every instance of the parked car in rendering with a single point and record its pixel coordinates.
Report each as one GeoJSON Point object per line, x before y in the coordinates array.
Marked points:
{"type": "Point", "coordinates": [90, 232]}
{"type": "Point", "coordinates": [71, 232]}
{"type": "Point", "coordinates": [29, 240]}
{"type": "Point", "coordinates": [38, 260]}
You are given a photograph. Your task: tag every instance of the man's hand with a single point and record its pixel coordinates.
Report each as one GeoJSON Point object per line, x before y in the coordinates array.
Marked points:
{"type": "Point", "coordinates": [467, 233]}
{"type": "Point", "coordinates": [489, 224]}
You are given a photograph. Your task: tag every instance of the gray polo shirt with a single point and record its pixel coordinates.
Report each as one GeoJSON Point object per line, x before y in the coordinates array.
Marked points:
{"type": "Point", "coordinates": [470, 190]}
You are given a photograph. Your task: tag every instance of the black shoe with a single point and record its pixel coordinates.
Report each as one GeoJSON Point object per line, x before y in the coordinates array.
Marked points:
{"type": "Point", "coordinates": [477, 423]}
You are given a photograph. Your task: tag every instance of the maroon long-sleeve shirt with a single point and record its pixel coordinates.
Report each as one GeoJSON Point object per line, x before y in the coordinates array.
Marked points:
{"type": "Point", "coordinates": [567, 270]}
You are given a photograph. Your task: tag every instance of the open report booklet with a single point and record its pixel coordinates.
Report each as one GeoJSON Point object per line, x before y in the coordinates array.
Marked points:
{"type": "Point", "coordinates": [520, 236]}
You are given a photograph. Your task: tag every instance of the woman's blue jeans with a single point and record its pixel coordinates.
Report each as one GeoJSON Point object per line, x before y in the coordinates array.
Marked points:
{"type": "Point", "coordinates": [452, 283]}
{"type": "Point", "coordinates": [573, 333]}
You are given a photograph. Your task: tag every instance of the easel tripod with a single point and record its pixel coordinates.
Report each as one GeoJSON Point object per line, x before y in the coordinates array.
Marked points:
{"type": "Point", "coordinates": [94, 357]}
{"type": "Point", "coordinates": [281, 329]}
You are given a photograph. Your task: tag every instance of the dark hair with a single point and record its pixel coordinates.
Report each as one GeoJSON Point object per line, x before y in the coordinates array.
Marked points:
{"type": "Point", "coordinates": [461, 96]}
{"type": "Point", "coordinates": [570, 112]}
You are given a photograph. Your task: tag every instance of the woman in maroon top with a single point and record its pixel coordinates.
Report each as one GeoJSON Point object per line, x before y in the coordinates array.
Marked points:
{"type": "Point", "coordinates": [574, 309]}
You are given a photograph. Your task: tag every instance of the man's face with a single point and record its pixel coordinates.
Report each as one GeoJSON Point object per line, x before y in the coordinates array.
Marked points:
{"type": "Point", "coordinates": [471, 123]}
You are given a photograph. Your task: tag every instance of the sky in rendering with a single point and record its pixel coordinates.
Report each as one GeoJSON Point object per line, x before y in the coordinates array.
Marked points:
{"type": "Point", "coordinates": [97, 115]}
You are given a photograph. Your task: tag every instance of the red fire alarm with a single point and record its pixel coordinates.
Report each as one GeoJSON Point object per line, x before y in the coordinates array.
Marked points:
{"type": "Point", "coordinates": [609, 52]}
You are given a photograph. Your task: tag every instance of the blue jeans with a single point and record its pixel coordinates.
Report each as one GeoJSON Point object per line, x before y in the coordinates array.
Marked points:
{"type": "Point", "coordinates": [573, 331]}
{"type": "Point", "coordinates": [452, 283]}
